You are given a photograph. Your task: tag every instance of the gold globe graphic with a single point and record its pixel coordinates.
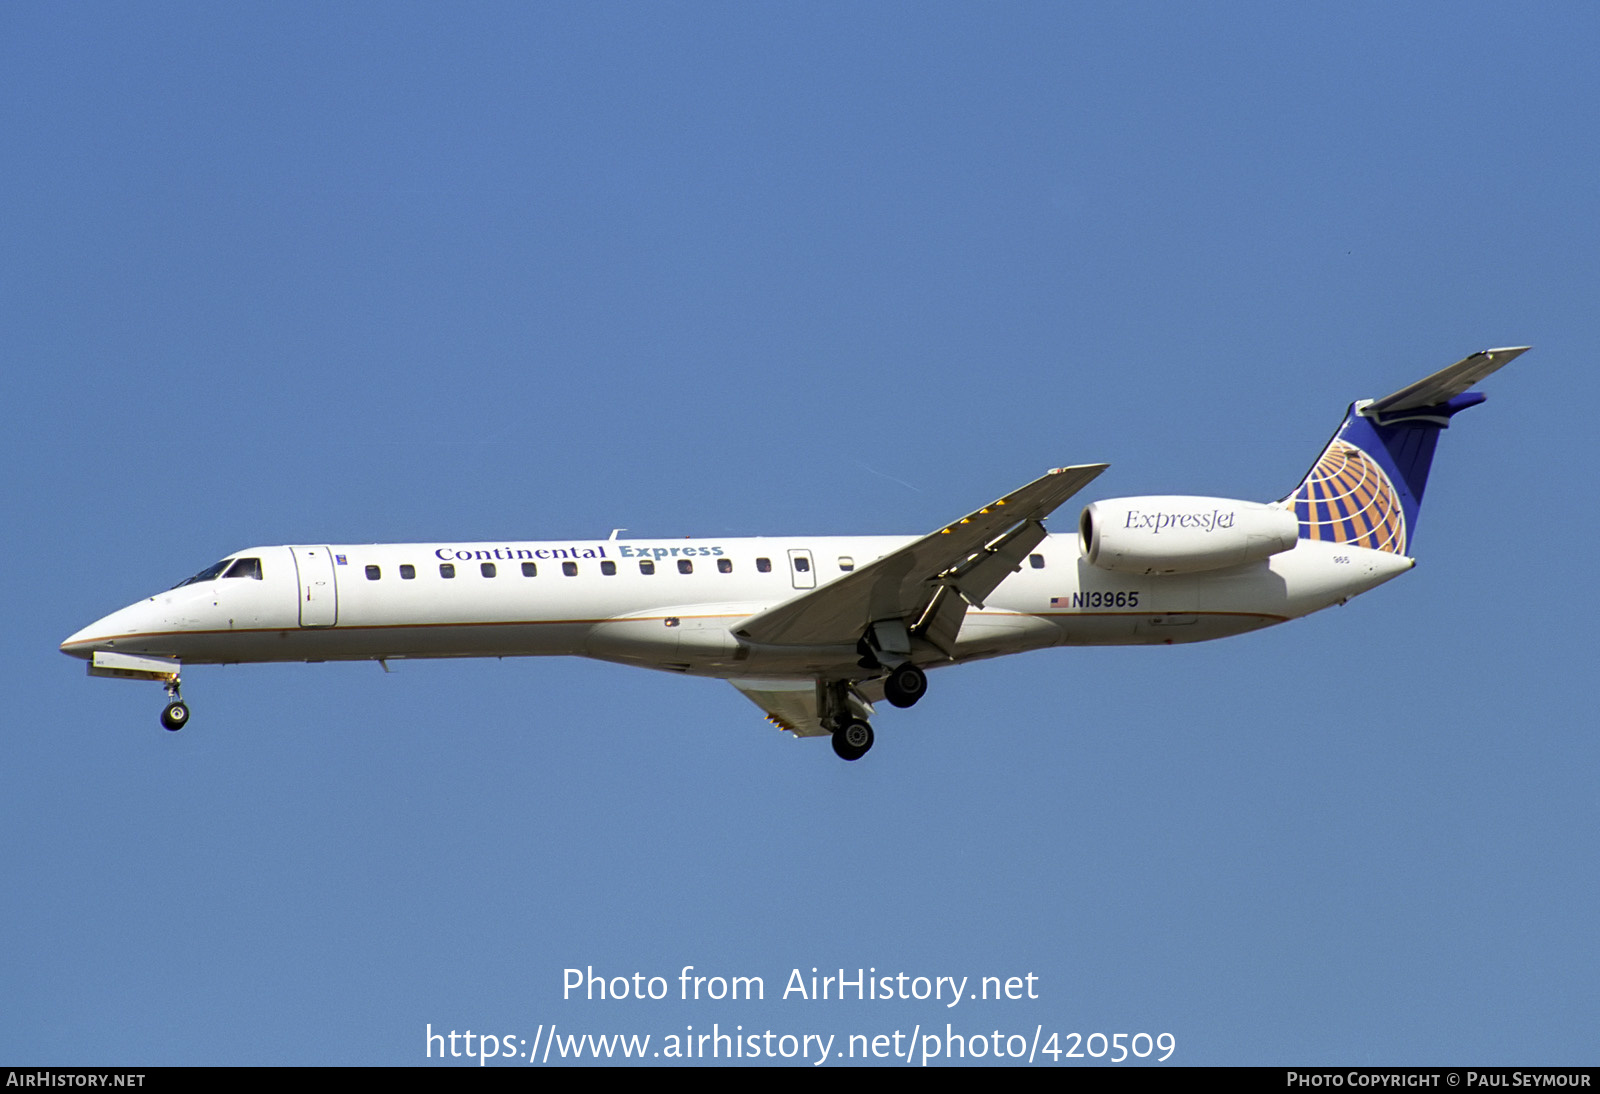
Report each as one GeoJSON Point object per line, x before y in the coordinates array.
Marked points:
{"type": "Point", "coordinates": [1348, 499]}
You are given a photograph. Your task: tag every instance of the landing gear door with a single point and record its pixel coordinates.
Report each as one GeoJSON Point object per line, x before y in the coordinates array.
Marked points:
{"type": "Point", "coordinates": [319, 596]}
{"type": "Point", "coordinates": [801, 570]}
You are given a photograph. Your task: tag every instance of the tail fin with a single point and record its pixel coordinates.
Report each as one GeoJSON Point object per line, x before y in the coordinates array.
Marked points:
{"type": "Point", "coordinates": [1366, 487]}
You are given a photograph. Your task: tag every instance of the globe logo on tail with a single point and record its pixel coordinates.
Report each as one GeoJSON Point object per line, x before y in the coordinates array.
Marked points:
{"type": "Point", "coordinates": [1347, 498]}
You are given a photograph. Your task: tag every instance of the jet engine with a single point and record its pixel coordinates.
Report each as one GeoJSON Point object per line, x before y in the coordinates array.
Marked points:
{"type": "Point", "coordinates": [1182, 535]}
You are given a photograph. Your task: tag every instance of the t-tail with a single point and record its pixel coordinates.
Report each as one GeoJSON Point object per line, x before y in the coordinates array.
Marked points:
{"type": "Point", "coordinates": [1366, 487]}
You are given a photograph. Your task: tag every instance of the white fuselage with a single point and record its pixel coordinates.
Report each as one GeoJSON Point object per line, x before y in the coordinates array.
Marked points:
{"type": "Point", "coordinates": [674, 604]}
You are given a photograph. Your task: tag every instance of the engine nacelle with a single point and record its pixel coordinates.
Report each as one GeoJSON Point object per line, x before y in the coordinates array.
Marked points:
{"type": "Point", "coordinates": [1182, 535]}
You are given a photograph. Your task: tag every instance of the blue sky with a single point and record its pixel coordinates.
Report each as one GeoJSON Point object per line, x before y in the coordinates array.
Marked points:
{"type": "Point", "coordinates": [285, 273]}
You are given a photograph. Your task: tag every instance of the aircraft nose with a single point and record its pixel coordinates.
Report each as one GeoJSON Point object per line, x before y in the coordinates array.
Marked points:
{"type": "Point", "coordinates": [83, 643]}
{"type": "Point", "coordinates": [76, 644]}
{"type": "Point", "coordinates": [103, 633]}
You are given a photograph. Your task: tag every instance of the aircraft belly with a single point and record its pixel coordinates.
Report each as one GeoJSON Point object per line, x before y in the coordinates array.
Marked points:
{"type": "Point", "coordinates": [993, 634]}
{"type": "Point", "coordinates": [373, 642]}
{"type": "Point", "coordinates": [683, 638]}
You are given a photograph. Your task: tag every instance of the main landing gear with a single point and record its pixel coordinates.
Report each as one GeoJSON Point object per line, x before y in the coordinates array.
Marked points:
{"type": "Point", "coordinates": [845, 710]}
{"type": "Point", "coordinates": [905, 685]}
{"type": "Point", "coordinates": [852, 740]}
{"type": "Point", "coordinates": [852, 734]}
{"type": "Point", "coordinates": [887, 645]}
{"type": "Point", "coordinates": [176, 713]}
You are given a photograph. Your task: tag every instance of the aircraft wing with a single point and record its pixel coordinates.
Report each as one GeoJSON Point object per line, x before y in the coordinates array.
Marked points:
{"type": "Point", "coordinates": [928, 583]}
{"type": "Point", "coordinates": [791, 703]}
{"type": "Point", "coordinates": [1447, 383]}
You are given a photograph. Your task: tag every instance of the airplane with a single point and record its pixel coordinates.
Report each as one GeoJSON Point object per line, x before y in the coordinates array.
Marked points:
{"type": "Point", "coordinates": [816, 630]}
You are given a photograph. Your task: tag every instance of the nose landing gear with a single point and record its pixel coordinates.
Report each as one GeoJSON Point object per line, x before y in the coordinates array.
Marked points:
{"type": "Point", "coordinates": [176, 713]}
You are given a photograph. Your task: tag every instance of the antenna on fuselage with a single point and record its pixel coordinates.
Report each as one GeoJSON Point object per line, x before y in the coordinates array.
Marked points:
{"type": "Point", "coordinates": [614, 532]}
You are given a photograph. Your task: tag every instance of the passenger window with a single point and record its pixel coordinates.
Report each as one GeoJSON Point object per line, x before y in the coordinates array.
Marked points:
{"type": "Point", "coordinates": [608, 567]}
{"type": "Point", "coordinates": [487, 568]}
{"type": "Point", "coordinates": [1036, 561]}
{"type": "Point", "coordinates": [725, 565]}
{"type": "Point", "coordinates": [685, 566]}
{"type": "Point", "coordinates": [373, 573]}
{"type": "Point", "coordinates": [447, 569]}
{"type": "Point", "coordinates": [408, 572]}
{"type": "Point", "coordinates": [846, 563]}
{"type": "Point", "coordinates": [764, 565]}
{"type": "Point", "coordinates": [570, 569]}
{"type": "Point", "coordinates": [530, 569]}
{"type": "Point", "coordinates": [646, 566]}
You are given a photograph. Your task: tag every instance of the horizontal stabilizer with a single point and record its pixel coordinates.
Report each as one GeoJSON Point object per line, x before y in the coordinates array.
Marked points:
{"type": "Point", "coordinates": [1445, 384]}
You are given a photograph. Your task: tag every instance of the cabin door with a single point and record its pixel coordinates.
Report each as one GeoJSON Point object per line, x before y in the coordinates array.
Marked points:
{"type": "Point", "coordinates": [319, 596]}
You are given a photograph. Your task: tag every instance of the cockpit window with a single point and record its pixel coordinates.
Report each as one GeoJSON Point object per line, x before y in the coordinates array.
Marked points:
{"type": "Point", "coordinates": [245, 567]}
{"type": "Point", "coordinates": [208, 574]}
